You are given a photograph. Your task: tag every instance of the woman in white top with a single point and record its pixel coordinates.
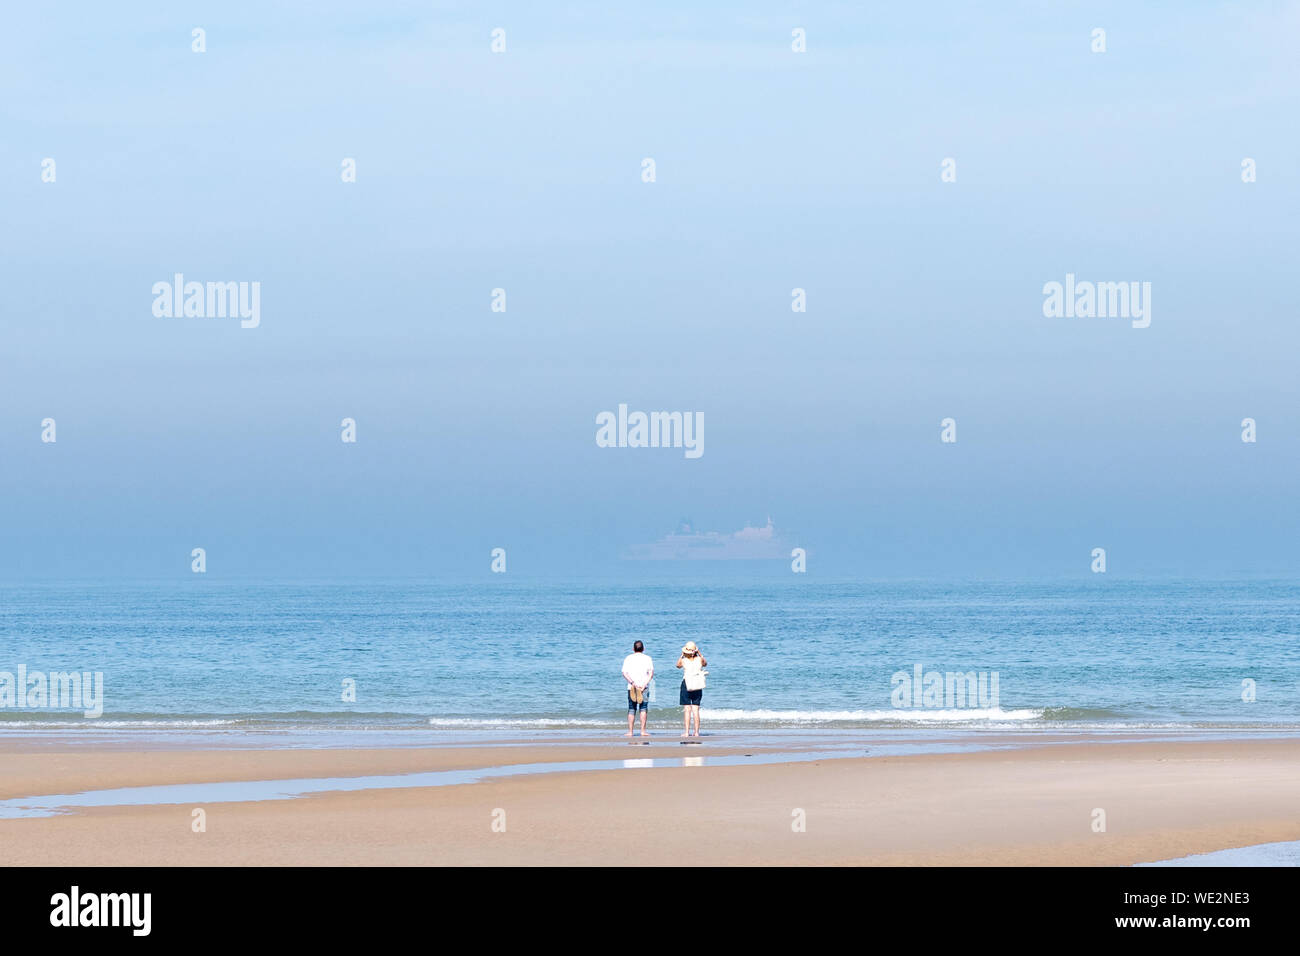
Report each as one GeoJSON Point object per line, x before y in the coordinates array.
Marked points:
{"type": "Point", "coordinates": [692, 663]}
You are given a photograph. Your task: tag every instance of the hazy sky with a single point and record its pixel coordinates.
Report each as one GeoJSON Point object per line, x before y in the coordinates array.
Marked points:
{"type": "Point", "coordinates": [522, 170]}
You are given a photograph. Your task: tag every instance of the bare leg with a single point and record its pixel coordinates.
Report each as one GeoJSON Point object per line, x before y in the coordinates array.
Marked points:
{"type": "Point", "coordinates": [630, 715]}
{"type": "Point", "coordinates": [686, 712]}
{"type": "Point", "coordinates": [644, 714]}
{"type": "Point", "coordinates": [696, 708]}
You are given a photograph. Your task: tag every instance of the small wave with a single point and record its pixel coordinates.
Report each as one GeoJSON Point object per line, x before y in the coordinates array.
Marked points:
{"type": "Point", "coordinates": [516, 722]}
{"type": "Point", "coordinates": [90, 723]}
{"type": "Point", "coordinates": [1080, 713]}
{"type": "Point", "coordinates": [900, 715]}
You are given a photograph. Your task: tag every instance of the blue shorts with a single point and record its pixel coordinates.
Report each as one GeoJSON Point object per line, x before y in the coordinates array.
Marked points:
{"type": "Point", "coordinates": [692, 697]}
{"type": "Point", "coordinates": [644, 706]}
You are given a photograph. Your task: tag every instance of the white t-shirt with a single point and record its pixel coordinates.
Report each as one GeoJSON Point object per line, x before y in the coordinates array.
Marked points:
{"type": "Point", "coordinates": [693, 672]}
{"type": "Point", "coordinates": [639, 667]}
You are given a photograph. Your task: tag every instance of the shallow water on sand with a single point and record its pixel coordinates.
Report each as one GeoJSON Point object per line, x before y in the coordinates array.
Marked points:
{"type": "Point", "coordinates": [1262, 854]}
{"type": "Point", "coordinates": [256, 790]}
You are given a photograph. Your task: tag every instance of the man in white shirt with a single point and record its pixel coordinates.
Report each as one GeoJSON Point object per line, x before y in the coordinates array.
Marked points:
{"type": "Point", "coordinates": [638, 669]}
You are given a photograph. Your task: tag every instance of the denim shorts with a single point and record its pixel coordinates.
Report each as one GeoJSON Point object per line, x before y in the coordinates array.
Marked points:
{"type": "Point", "coordinates": [632, 705]}
{"type": "Point", "coordinates": [690, 696]}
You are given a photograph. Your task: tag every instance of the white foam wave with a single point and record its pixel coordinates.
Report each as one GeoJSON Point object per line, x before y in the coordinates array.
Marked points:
{"type": "Point", "coordinates": [516, 722]}
{"type": "Point", "coordinates": [797, 717]}
{"type": "Point", "coordinates": [90, 723]}
{"type": "Point", "coordinates": [901, 715]}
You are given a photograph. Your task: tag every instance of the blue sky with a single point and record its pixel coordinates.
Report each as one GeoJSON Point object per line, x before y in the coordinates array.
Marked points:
{"type": "Point", "coordinates": [774, 170]}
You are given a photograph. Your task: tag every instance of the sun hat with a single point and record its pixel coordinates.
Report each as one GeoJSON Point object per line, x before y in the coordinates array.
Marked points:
{"type": "Point", "coordinates": [690, 648]}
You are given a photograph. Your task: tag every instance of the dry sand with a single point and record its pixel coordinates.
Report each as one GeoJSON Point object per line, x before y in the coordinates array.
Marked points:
{"type": "Point", "coordinates": [1028, 806]}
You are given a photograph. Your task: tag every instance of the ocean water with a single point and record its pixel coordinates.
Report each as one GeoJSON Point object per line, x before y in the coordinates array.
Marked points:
{"type": "Point", "coordinates": [783, 653]}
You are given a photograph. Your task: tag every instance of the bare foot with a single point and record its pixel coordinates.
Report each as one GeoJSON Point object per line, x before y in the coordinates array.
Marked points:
{"type": "Point", "coordinates": [685, 735]}
{"type": "Point", "coordinates": [628, 734]}
{"type": "Point", "coordinates": [645, 733]}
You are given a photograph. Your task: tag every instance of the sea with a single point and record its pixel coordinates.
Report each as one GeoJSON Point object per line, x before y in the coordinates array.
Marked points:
{"type": "Point", "coordinates": [541, 656]}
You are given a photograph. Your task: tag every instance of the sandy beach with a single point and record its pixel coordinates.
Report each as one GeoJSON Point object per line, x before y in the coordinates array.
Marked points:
{"type": "Point", "coordinates": [1030, 805]}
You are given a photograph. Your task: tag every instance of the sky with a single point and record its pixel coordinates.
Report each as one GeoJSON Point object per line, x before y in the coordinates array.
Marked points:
{"type": "Point", "coordinates": [774, 170]}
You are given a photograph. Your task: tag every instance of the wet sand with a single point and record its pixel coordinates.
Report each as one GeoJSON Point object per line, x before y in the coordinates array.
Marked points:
{"type": "Point", "coordinates": [1033, 805]}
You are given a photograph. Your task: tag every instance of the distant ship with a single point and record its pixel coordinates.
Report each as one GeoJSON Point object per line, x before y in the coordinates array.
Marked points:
{"type": "Point", "coordinates": [687, 544]}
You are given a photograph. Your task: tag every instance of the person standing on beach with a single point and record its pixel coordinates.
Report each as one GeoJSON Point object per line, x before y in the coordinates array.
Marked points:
{"type": "Point", "coordinates": [692, 663]}
{"type": "Point", "coordinates": [638, 669]}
